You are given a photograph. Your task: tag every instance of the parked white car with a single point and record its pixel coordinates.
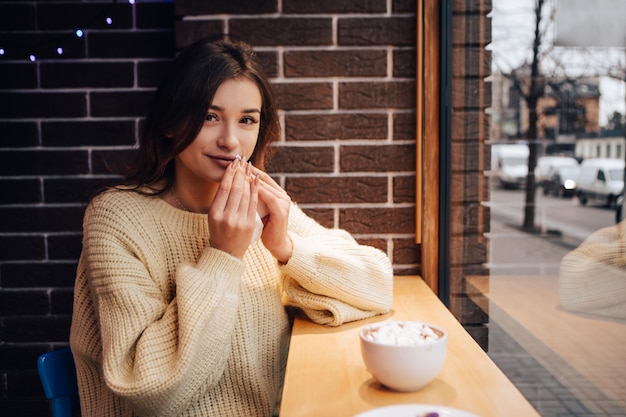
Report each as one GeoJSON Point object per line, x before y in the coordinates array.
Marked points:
{"type": "Point", "coordinates": [600, 179]}
{"type": "Point", "coordinates": [509, 162]}
{"type": "Point", "coordinates": [547, 165]}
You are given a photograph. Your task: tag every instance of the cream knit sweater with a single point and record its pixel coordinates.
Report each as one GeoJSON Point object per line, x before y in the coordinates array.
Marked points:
{"type": "Point", "coordinates": [165, 325]}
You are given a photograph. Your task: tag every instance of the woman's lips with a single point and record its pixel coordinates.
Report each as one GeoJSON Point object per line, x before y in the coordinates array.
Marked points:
{"type": "Point", "coordinates": [223, 161]}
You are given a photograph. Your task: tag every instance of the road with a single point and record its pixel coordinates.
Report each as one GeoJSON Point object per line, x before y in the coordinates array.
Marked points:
{"type": "Point", "coordinates": [552, 214]}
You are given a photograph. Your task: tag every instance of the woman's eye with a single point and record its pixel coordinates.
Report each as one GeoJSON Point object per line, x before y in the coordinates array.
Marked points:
{"type": "Point", "coordinates": [211, 117]}
{"type": "Point", "coordinates": [249, 120]}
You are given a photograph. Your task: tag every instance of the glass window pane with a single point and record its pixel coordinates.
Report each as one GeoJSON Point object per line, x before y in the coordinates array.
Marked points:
{"type": "Point", "coordinates": [553, 287]}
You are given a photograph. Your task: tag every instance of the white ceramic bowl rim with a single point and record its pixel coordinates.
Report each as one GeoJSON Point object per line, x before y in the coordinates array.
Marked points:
{"type": "Point", "coordinates": [443, 333]}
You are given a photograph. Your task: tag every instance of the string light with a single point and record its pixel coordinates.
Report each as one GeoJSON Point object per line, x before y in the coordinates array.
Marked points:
{"type": "Point", "coordinates": [79, 33]}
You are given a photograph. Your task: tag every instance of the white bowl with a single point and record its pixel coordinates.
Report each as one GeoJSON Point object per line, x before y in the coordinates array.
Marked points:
{"type": "Point", "coordinates": [403, 364]}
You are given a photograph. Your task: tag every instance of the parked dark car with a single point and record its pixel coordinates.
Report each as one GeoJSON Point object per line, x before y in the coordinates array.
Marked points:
{"type": "Point", "coordinates": [561, 182]}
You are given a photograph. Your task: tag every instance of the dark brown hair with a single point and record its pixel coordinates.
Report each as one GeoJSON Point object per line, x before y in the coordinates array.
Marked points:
{"type": "Point", "coordinates": [180, 105]}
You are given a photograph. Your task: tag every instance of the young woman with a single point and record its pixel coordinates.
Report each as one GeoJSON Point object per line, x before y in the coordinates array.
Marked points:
{"type": "Point", "coordinates": [179, 310]}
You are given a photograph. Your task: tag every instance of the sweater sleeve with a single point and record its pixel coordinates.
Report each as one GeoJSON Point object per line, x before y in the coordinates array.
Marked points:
{"type": "Point", "coordinates": [331, 277]}
{"type": "Point", "coordinates": [157, 349]}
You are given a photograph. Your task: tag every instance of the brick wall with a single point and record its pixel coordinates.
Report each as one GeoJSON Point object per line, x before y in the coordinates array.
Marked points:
{"type": "Point", "coordinates": [59, 117]}
{"type": "Point", "coordinates": [344, 73]}
{"type": "Point", "coordinates": [469, 158]}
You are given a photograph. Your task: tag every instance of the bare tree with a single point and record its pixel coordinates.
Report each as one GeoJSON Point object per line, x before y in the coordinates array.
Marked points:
{"type": "Point", "coordinates": [545, 61]}
{"type": "Point", "coordinates": [531, 88]}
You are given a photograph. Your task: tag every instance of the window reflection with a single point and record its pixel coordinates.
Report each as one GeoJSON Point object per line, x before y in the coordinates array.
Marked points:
{"type": "Point", "coordinates": [556, 292]}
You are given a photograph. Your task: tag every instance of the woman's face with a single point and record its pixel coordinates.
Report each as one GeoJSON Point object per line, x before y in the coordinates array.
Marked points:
{"type": "Point", "coordinates": [231, 128]}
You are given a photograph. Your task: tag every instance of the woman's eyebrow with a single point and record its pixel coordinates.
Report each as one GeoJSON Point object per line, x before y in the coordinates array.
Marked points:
{"type": "Point", "coordinates": [221, 109]}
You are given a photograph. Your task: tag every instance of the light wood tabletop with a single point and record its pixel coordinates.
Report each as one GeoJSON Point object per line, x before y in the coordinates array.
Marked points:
{"type": "Point", "coordinates": [326, 376]}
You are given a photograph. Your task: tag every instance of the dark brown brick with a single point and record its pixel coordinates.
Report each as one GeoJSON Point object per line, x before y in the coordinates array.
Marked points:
{"type": "Point", "coordinates": [43, 162]}
{"type": "Point", "coordinates": [41, 219]}
{"type": "Point", "coordinates": [120, 104]}
{"type": "Point", "coordinates": [38, 274]}
{"type": "Point", "coordinates": [17, 134]}
{"type": "Point", "coordinates": [404, 125]}
{"type": "Point", "coordinates": [85, 133]}
{"type": "Point", "coordinates": [403, 6]}
{"type": "Point", "coordinates": [406, 251]}
{"type": "Point", "coordinates": [269, 62]}
{"type": "Point", "coordinates": [150, 74]}
{"type": "Point", "coordinates": [466, 187]}
{"type": "Point", "coordinates": [23, 302]}
{"type": "Point", "coordinates": [398, 31]}
{"type": "Point", "coordinates": [295, 96]}
{"type": "Point", "coordinates": [61, 301]}
{"type": "Point", "coordinates": [43, 105]}
{"type": "Point", "coordinates": [63, 15]}
{"type": "Point", "coordinates": [20, 191]}
{"type": "Point", "coordinates": [283, 31]}
{"type": "Point", "coordinates": [468, 125]}
{"type": "Point", "coordinates": [471, 29]}
{"type": "Point", "coordinates": [325, 217]}
{"type": "Point", "coordinates": [36, 329]}
{"type": "Point", "coordinates": [74, 190]}
{"type": "Point", "coordinates": [64, 246]}
{"type": "Point", "coordinates": [195, 7]}
{"type": "Point", "coordinates": [334, 6]}
{"type": "Point", "coordinates": [404, 63]}
{"type": "Point", "coordinates": [352, 63]}
{"type": "Point", "coordinates": [326, 190]}
{"type": "Point", "coordinates": [468, 250]}
{"type": "Point", "coordinates": [18, 76]}
{"type": "Point", "coordinates": [378, 220]}
{"type": "Point", "coordinates": [404, 189]}
{"type": "Point", "coordinates": [377, 95]}
{"type": "Point", "coordinates": [15, 16]}
{"type": "Point", "coordinates": [189, 31]}
{"type": "Point", "coordinates": [380, 244]}
{"type": "Point", "coordinates": [468, 219]}
{"type": "Point", "coordinates": [76, 75]}
{"type": "Point", "coordinates": [301, 159]}
{"type": "Point", "coordinates": [336, 126]}
{"type": "Point", "coordinates": [110, 162]}
{"type": "Point", "coordinates": [133, 45]}
{"type": "Point", "coordinates": [476, 62]}
{"type": "Point", "coordinates": [19, 46]}
{"type": "Point", "coordinates": [468, 156]}
{"type": "Point", "coordinates": [155, 15]}
{"type": "Point", "coordinates": [470, 94]}
{"type": "Point", "coordinates": [14, 248]}
{"type": "Point", "coordinates": [378, 158]}
{"type": "Point", "coordinates": [470, 6]}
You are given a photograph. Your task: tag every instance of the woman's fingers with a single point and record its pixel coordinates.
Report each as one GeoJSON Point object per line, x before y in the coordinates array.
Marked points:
{"type": "Point", "coordinates": [233, 212]}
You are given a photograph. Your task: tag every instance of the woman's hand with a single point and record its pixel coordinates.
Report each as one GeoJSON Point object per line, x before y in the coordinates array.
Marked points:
{"type": "Point", "coordinates": [276, 201]}
{"type": "Point", "coordinates": [233, 212]}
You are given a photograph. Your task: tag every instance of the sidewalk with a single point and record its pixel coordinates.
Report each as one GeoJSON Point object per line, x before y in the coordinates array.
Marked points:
{"type": "Point", "coordinates": [514, 252]}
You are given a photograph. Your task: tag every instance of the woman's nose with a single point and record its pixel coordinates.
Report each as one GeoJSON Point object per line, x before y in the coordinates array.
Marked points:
{"type": "Point", "coordinates": [228, 137]}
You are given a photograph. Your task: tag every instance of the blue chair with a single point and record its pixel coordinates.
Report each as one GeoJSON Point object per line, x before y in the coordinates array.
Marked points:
{"type": "Point", "coordinates": [58, 377]}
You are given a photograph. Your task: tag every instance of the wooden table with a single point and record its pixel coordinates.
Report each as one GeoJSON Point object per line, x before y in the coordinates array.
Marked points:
{"type": "Point", "coordinates": [326, 376]}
